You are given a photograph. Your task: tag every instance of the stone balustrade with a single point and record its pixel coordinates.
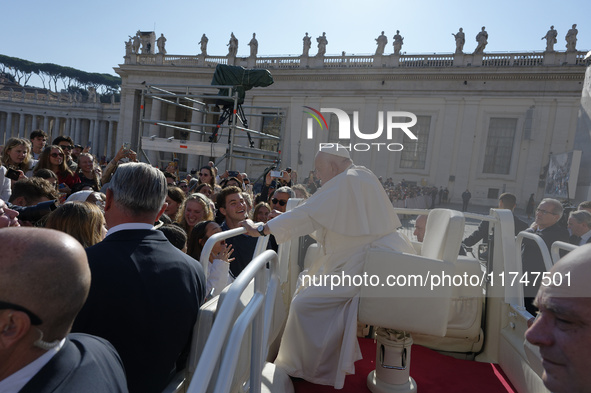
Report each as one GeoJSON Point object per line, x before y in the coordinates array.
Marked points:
{"type": "Point", "coordinates": [384, 61]}
{"type": "Point", "coordinates": [50, 99]}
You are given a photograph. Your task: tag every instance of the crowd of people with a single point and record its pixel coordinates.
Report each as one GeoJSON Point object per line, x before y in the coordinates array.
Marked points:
{"type": "Point", "coordinates": [406, 190]}
{"type": "Point", "coordinates": [139, 231]}
{"type": "Point", "coordinates": [149, 227]}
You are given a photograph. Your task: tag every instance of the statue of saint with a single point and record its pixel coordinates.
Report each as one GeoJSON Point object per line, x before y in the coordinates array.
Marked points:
{"type": "Point", "coordinates": [232, 46]}
{"type": "Point", "coordinates": [128, 47]}
{"type": "Point", "coordinates": [382, 40]}
{"type": "Point", "coordinates": [91, 94]}
{"type": "Point", "coordinates": [460, 41]}
{"type": "Point", "coordinates": [550, 38]}
{"type": "Point", "coordinates": [307, 44]}
{"type": "Point", "coordinates": [571, 39]}
{"type": "Point", "coordinates": [398, 41]}
{"type": "Point", "coordinates": [482, 39]}
{"type": "Point", "coordinates": [203, 43]}
{"type": "Point", "coordinates": [136, 43]}
{"type": "Point", "coordinates": [254, 46]}
{"type": "Point", "coordinates": [322, 42]}
{"type": "Point", "coordinates": [160, 43]}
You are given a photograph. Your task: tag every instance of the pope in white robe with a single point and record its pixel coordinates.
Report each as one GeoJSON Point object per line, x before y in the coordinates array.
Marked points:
{"type": "Point", "coordinates": [349, 214]}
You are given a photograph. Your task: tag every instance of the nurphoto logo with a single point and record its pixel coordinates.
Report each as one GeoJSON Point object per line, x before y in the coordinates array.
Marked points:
{"type": "Point", "coordinates": [392, 120]}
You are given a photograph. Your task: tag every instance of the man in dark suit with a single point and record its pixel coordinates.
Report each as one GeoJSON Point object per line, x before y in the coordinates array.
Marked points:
{"type": "Point", "coordinates": [579, 224]}
{"type": "Point", "coordinates": [506, 201]}
{"type": "Point", "coordinates": [145, 293]}
{"type": "Point", "coordinates": [44, 280]}
{"type": "Point", "coordinates": [466, 195]}
{"type": "Point", "coordinates": [546, 226]}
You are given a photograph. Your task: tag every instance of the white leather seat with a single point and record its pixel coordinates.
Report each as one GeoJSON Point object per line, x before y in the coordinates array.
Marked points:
{"type": "Point", "coordinates": [415, 307]}
{"type": "Point", "coordinates": [443, 236]}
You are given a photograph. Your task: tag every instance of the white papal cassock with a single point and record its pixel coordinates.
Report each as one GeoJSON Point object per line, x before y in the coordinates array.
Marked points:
{"type": "Point", "coordinates": [347, 215]}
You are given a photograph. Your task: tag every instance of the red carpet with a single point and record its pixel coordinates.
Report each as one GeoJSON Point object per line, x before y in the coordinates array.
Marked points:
{"type": "Point", "coordinates": [433, 373]}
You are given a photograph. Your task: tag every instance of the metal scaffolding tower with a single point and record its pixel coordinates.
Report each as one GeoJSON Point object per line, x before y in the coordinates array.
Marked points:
{"type": "Point", "coordinates": [216, 109]}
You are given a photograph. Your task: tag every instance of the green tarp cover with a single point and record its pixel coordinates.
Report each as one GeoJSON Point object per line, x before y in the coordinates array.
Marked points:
{"type": "Point", "coordinates": [241, 78]}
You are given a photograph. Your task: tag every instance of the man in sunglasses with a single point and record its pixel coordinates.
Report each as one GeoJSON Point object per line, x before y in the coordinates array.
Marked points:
{"type": "Point", "coordinates": [280, 198]}
{"type": "Point", "coordinates": [546, 226]}
{"type": "Point", "coordinates": [67, 144]}
{"type": "Point", "coordinates": [44, 281]}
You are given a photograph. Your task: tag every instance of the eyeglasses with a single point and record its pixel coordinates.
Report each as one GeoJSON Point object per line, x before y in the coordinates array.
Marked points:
{"type": "Point", "coordinates": [35, 320]}
{"type": "Point", "coordinates": [203, 174]}
{"type": "Point", "coordinates": [281, 202]}
{"type": "Point", "coordinates": [541, 211]}
{"type": "Point", "coordinates": [183, 186]}
{"type": "Point", "coordinates": [69, 147]}
{"type": "Point", "coordinates": [56, 155]}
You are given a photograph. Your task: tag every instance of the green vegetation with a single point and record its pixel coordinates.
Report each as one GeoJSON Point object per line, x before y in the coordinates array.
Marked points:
{"type": "Point", "coordinates": [70, 78]}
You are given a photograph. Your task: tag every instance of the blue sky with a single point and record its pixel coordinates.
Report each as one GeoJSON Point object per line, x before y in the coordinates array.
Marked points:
{"type": "Point", "coordinates": [90, 35]}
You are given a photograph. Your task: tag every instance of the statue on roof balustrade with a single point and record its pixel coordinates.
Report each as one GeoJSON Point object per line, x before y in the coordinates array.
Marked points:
{"type": "Point", "coordinates": [550, 38]}
{"type": "Point", "coordinates": [307, 44]}
{"type": "Point", "coordinates": [398, 42]}
{"type": "Point", "coordinates": [160, 42]}
{"type": "Point", "coordinates": [322, 42]}
{"type": "Point", "coordinates": [203, 44]}
{"type": "Point", "coordinates": [136, 43]}
{"type": "Point", "coordinates": [254, 46]}
{"type": "Point", "coordinates": [571, 39]}
{"type": "Point", "coordinates": [460, 41]}
{"type": "Point", "coordinates": [232, 46]}
{"type": "Point", "coordinates": [128, 47]}
{"type": "Point", "coordinates": [482, 39]}
{"type": "Point", "coordinates": [382, 41]}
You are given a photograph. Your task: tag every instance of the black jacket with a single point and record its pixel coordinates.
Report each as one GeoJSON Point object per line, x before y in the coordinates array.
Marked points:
{"type": "Point", "coordinates": [482, 232]}
{"type": "Point", "coordinates": [84, 364]}
{"type": "Point", "coordinates": [144, 298]}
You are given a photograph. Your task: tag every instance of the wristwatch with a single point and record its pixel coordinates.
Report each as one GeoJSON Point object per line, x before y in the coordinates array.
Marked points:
{"type": "Point", "coordinates": [261, 229]}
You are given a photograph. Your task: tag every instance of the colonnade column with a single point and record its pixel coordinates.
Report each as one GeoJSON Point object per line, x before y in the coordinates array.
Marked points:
{"type": "Point", "coordinates": [45, 128]}
{"type": "Point", "coordinates": [68, 131]}
{"type": "Point", "coordinates": [34, 123]}
{"type": "Point", "coordinates": [77, 130]}
{"type": "Point", "coordinates": [91, 135]}
{"type": "Point", "coordinates": [21, 125]}
{"type": "Point", "coordinates": [109, 153]}
{"type": "Point", "coordinates": [8, 125]}
{"type": "Point", "coordinates": [55, 130]}
{"type": "Point", "coordinates": [101, 138]}
{"type": "Point", "coordinates": [95, 136]}
{"type": "Point", "coordinates": [85, 131]}
{"type": "Point", "coordinates": [153, 129]}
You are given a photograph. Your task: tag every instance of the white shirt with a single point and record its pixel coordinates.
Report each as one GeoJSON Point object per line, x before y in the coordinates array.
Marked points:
{"type": "Point", "coordinates": [585, 238]}
{"type": "Point", "coordinates": [129, 225]}
{"type": "Point", "coordinates": [15, 382]}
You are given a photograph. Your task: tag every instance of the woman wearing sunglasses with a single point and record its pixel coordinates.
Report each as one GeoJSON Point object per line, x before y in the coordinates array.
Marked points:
{"type": "Point", "coordinates": [207, 175]}
{"type": "Point", "coordinates": [53, 158]}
